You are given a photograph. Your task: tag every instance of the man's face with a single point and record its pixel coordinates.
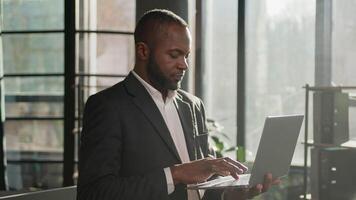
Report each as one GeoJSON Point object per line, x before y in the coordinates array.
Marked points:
{"type": "Point", "coordinates": [168, 58]}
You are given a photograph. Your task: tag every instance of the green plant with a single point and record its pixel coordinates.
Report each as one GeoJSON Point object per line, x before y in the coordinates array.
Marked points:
{"type": "Point", "coordinates": [218, 139]}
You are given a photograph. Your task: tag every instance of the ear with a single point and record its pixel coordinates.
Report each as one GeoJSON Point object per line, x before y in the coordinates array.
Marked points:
{"type": "Point", "coordinates": [142, 51]}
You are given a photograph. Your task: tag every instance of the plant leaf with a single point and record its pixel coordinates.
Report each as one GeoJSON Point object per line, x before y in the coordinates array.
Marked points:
{"type": "Point", "coordinates": [231, 149]}
{"type": "Point", "coordinates": [219, 145]}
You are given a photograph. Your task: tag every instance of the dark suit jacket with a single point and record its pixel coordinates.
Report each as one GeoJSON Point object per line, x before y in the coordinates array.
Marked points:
{"type": "Point", "coordinates": [125, 144]}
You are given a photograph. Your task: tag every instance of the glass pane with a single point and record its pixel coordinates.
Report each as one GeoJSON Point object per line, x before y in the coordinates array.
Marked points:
{"type": "Point", "coordinates": [105, 54]}
{"type": "Point", "coordinates": [13, 155]}
{"type": "Point", "coordinates": [34, 136]}
{"type": "Point", "coordinates": [90, 85]}
{"type": "Point", "coordinates": [31, 176]}
{"type": "Point", "coordinates": [33, 15]}
{"type": "Point", "coordinates": [103, 83]}
{"type": "Point", "coordinates": [352, 121]}
{"type": "Point", "coordinates": [280, 44]}
{"type": "Point", "coordinates": [220, 62]}
{"type": "Point", "coordinates": [76, 174]}
{"type": "Point", "coordinates": [343, 43]}
{"type": "Point", "coordinates": [33, 109]}
{"type": "Point", "coordinates": [118, 15]}
{"type": "Point", "coordinates": [34, 85]}
{"type": "Point", "coordinates": [33, 53]}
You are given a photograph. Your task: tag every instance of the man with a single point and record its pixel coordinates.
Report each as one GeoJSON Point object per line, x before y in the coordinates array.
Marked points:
{"type": "Point", "coordinates": [144, 138]}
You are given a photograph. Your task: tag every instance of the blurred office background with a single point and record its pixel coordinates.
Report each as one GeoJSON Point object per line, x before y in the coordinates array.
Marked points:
{"type": "Point", "coordinates": [250, 59]}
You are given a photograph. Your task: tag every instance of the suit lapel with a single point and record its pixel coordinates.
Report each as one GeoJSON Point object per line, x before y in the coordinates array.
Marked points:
{"type": "Point", "coordinates": [145, 103]}
{"type": "Point", "coordinates": [186, 118]}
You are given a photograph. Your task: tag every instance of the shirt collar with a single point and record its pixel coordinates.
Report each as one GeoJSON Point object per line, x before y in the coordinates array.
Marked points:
{"type": "Point", "coordinates": [153, 91]}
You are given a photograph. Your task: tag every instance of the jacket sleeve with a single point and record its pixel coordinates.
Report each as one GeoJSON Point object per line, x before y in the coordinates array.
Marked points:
{"type": "Point", "coordinates": [100, 160]}
{"type": "Point", "coordinates": [203, 132]}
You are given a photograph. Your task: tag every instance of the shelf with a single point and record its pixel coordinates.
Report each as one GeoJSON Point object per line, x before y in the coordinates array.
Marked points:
{"type": "Point", "coordinates": [351, 144]}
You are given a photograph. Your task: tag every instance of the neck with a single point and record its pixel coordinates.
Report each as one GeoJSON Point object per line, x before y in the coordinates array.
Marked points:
{"type": "Point", "coordinates": [143, 74]}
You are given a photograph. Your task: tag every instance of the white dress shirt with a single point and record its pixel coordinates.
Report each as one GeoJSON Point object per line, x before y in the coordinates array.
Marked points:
{"type": "Point", "coordinates": [170, 115]}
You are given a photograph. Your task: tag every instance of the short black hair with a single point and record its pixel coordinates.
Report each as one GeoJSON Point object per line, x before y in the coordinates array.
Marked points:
{"type": "Point", "coordinates": [152, 21]}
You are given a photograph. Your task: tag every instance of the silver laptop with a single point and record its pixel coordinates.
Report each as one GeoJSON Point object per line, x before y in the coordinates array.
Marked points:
{"type": "Point", "coordinates": [274, 154]}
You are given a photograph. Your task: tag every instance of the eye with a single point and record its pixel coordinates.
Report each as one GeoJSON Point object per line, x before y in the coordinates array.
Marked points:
{"type": "Point", "coordinates": [174, 55]}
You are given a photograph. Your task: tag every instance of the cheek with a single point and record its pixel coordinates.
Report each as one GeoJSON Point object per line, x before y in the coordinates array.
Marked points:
{"type": "Point", "coordinates": [166, 63]}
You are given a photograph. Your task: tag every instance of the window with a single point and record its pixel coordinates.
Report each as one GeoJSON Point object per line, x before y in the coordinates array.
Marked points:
{"type": "Point", "coordinates": [34, 77]}
{"type": "Point", "coordinates": [343, 43]}
{"type": "Point", "coordinates": [104, 48]}
{"type": "Point", "coordinates": [33, 53]}
{"type": "Point", "coordinates": [344, 52]}
{"type": "Point", "coordinates": [219, 76]}
{"type": "Point", "coordinates": [280, 43]}
{"type": "Point", "coordinates": [2, 164]}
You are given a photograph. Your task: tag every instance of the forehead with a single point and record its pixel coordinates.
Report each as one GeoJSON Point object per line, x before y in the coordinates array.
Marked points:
{"type": "Point", "coordinates": [174, 37]}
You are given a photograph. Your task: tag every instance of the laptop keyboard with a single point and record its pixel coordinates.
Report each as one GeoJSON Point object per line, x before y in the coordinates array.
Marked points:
{"type": "Point", "coordinates": [221, 182]}
{"type": "Point", "coordinates": [242, 181]}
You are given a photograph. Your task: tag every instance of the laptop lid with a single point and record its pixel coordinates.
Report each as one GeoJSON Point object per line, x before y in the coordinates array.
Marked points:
{"type": "Point", "coordinates": [276, 147]}
{"type": "Point", "coordinates": [274, 154]}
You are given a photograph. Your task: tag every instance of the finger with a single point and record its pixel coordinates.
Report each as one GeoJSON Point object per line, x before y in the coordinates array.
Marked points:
{"type": "Point", "coordinates": [276, 181]}
{"type": "Point", "coordinates": [236, 163]}
{"type": "Point", "coordinates": [267, 182]}
{"type": "Point", "coordinates": [221, 167]}
{"type": "Point", "coordinates": [257, 190]}
{"type": "Point", "coordinates": [217, 170]}
{"type": "Point", "coordinates": [223, 173]}
{"type": "Point", "coordinates": [231, 163]}
{"type": "Point", "coordinates": [232, 166]}
{"type": "Point", "coordinates": [210, 157]}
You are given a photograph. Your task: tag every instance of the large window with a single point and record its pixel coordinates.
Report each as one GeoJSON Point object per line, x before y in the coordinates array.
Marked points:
{"type": "Point", "coordinates": [34, 75]}
{"type": "Point", "coordinates": [343, 43]}
{"type": "Point", "coordinates": [344, 52]}
{"type": "Point", "coordinates": [280, 43]}
{"type": "Point", "coordinates": [33, 55]}
{"type": "Point", "coordinates": [2, 163]}
{"type": "Point", "coordinates": [219, 76]}
{"type": "Point", "coordinates": [104, 48]}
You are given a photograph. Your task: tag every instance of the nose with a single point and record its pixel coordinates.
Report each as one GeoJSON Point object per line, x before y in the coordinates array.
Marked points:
{"type": "Point", "coordinates": [184, 64]}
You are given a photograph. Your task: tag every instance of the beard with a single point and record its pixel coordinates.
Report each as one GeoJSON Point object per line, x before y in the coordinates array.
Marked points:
{"type": "Point", "coordinates": [158, 78]}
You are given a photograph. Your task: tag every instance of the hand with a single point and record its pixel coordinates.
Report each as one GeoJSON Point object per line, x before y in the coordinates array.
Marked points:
{"type": "Point", "coordinates": [248, 193]}
{"type": "Point", "coordinates": [201, 170]}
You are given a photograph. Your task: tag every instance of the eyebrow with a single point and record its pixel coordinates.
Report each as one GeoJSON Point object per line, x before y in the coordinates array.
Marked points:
{"type": "Point", "coordinates": [179, 51]}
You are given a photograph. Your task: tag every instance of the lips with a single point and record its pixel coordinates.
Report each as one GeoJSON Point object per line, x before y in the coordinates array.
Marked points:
{"type": "Point", "coordinates": [179, 77]}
